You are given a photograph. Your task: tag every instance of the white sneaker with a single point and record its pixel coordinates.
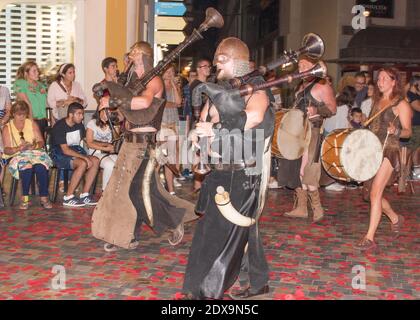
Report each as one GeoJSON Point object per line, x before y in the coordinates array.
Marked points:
{"type": "Point", "coordinates": [416, 174]}
{"type": "Point", "coordinates": [177, 184]}
{"type": "Point", "coordinates": [273, 185]}
{"type": "Point", "coordinates": [335, 187]}
{"type": "Point", "coordinates": [352, 187]}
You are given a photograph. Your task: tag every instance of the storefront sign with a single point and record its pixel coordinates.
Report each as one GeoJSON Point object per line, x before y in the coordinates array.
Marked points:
{"type": "Point", "coordinates": [378, 8]}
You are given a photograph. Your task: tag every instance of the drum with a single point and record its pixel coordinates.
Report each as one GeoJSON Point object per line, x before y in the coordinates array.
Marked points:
{"type": "Point", "coordinates": [352, 154]}
{"type": "Point", "coordinates": [292, 134]}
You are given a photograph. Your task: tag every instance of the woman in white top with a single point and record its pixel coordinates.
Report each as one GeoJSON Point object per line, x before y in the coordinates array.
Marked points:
{"type": "Point", "coordinates": [99, 141]}
{"type": "Point", "coordinates": [5, 105]}
{"type": "Point", "coordinates": [345, 103]}
{"type": "Point", "coordinates": [367, 104]}
{"type": "Point", "coordinates": [170, 122]}
{"type": "Point", "coordinates": [64, 91]}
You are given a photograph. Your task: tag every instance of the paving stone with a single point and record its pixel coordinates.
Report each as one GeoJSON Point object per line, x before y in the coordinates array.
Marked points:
{"type": "Point", "coordinates": [307, 261]}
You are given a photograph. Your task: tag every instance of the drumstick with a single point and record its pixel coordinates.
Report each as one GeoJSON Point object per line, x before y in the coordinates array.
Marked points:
{"type": "Point", "coordinates": [387, 134]}
{"type": "Point", "coordinates": [341, 133]}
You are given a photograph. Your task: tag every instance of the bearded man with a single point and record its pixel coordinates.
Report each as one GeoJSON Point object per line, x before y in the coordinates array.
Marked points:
{"type": "Point", "coordinates": [316, 99]}
{"type": "Point", "coordinates": [220, 246]}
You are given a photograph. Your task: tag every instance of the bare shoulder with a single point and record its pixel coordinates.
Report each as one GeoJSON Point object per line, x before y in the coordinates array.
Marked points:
{"type": "Point", "coordinates": [323, 87]}
{"type": "Point", "coordinates": [322, 91]}
{"type": "Point", "coordinates": [156, 84]}
{"type": "Point", "coordinates": [404, 107]}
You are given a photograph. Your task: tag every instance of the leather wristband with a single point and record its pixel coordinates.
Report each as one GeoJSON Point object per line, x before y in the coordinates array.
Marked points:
{"type": "Point", "coordinates": [124, 103]}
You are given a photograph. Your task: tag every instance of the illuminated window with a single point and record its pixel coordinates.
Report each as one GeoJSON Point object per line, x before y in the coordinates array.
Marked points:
{"type": "Point", "coordinates": [43, 33]}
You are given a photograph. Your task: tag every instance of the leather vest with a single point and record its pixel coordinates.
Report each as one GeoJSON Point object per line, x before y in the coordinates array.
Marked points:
{"type": "Point", "coordinates": [252, 140]}
{"type": "Point", "coordinates": [150, 117]}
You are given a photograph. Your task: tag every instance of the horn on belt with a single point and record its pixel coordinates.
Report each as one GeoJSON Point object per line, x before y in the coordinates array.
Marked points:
{"type": "Point", "coordinates": [226, 208]}
{"type": "Point", "coordinates": [145, 186]}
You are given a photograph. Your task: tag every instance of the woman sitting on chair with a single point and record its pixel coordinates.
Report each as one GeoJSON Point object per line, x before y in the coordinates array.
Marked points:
{"type": "Point", "coordinates": [99, 137]}
{"type": "Point", "coordinates": [23, 148]}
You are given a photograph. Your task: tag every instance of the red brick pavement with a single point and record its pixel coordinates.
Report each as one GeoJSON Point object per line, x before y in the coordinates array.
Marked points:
{"type": "Point", "coordinates": [307, 261]}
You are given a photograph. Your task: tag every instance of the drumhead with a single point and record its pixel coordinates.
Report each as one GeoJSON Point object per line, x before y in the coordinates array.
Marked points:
{"type": "Point", "coordinates": [293, 135]}
{"type": "Point", "coordinates": [361, 155]}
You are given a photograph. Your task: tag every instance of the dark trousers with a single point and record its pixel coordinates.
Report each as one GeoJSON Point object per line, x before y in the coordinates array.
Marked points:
{"type": "Point", "coordinates": [41, 176]}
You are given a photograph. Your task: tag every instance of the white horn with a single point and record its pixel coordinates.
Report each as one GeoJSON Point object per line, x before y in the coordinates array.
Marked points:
{"type": "Point", "coordinates": [145, 186]}
{"type": "Point", "coordinates": [228, 211]}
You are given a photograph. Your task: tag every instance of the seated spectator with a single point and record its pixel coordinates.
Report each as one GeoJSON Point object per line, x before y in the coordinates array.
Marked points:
{"type": "Point", "coordinates": [64, 91]}
{"type": "Point", "coordinates": [99, 140]}
{"type": "Point", "coordinates": [5, 105]}
{"type": "Point", "coordinates": [356, 118]}
{"type": "Point", "coordinates": [23, 149]}
{"type": "Point", "coordinates": [66, 136]}
{"type": "Point", "coordinates": [28, 88]}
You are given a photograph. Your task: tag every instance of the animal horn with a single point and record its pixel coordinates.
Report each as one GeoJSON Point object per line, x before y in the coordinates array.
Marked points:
{"type": "Point", "coordinates": [226, 208]}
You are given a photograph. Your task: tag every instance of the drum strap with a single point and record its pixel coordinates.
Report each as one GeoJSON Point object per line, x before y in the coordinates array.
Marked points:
{"type": "Point", "coordinates": [373, 117]}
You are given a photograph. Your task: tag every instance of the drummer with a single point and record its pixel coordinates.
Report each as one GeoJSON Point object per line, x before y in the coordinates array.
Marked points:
{"type": "Point", "coordinates": [316, 98]}
{"type": "Point", "coordinates": [391, 126]}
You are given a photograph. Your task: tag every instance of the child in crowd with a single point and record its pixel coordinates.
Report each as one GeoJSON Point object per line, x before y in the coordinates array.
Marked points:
{"type": "Point", "coordinates": [356, 118]}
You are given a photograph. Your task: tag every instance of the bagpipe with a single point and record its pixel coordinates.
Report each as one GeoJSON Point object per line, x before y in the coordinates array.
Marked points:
{"type": "Point", "coordinates": [312, 47]}
{"type": "Point", "coordinates": [213, 20]}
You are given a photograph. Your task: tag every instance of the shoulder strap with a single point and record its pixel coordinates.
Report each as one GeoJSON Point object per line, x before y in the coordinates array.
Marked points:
{"type": "Point", "coordinates": [369, 121]}
{"type": "Point", "coordinates": [62, 87]}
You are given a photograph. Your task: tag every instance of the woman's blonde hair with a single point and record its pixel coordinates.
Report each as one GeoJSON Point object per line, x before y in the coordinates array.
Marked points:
{"type": "Point", "coordinates": [19, 106]}
{"type": "Point", "coordinates": [24, 69]}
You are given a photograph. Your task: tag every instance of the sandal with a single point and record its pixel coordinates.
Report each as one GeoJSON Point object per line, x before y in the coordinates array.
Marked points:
{"type": "Point", "coordinates": [46, 204]}
{"type": "Point", "coordinates": [24, 205]}
{"type": "Point", "coordinates": [396, 227]}
{"type": "Point", "coordinates": [366, 245]}
{"type": "Point", "coordinates": [177, 235]}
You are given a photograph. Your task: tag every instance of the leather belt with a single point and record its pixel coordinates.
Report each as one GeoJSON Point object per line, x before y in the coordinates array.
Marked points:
{"type": "Point", "coordinates": [232, 166]}
{"type": "Point", "coordinates": [140, 137]}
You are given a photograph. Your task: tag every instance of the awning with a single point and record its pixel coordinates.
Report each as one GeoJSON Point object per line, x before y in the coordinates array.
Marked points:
{"type": "Point", "coordinates": [387, 45]}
